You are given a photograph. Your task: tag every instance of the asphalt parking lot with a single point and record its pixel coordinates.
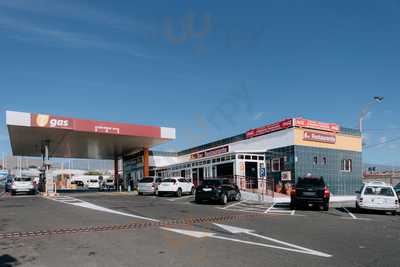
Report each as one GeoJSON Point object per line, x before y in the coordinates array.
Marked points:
{"type": "Point", "coordinates": [127, 230]}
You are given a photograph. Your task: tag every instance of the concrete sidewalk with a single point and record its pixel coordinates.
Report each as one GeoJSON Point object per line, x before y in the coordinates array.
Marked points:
{"type": "Point", "coordinates": [281, 198]}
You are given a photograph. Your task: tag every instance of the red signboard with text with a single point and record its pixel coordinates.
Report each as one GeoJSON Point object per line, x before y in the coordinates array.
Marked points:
{"type": "Point", "coordinates": [49, 121]}
{"type": "Point", "coordinates": [270, 128]}
{"type": "Point", "coordinates": [317, 125]}
{"type": "Point", "coordinates": [210, 153]}
{"type": "Point", "coordinates": [319, 137]}
{"type": "Point", "coordinates": [91, 126]}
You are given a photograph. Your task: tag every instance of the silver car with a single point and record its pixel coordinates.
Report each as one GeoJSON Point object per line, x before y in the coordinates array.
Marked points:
{"type": "Point", "coordinates": [22, 184]}
{"type": "Point", "coordinates": [148, 185]}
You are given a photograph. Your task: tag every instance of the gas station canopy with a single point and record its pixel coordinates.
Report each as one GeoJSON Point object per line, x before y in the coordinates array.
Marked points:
{"type": "Point", "coordinates": [79, 138]}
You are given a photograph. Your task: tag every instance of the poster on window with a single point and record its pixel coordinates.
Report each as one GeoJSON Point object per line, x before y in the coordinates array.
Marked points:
{"type": "Point", "coordinates": [286, 176]}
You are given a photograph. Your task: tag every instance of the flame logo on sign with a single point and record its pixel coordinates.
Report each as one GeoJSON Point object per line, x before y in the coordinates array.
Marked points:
{"type": "Point", "coordinates": [42, 120]}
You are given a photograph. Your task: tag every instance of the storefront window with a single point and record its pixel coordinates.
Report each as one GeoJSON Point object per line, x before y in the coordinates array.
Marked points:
{"type": "Point", "coordinates": [276, 165]}
{"type": "Point", "coordinates": [315, 160]}
{"type": "Point", "coordinates": [347, 165]}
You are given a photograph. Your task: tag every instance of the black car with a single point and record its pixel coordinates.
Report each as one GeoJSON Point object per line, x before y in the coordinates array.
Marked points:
{"type": "Point", "coordinates": [310, 190]}
{"type": "Point", "coordinates": [219, 190]}
{"type": "Point", "coordinates": [8, 183]}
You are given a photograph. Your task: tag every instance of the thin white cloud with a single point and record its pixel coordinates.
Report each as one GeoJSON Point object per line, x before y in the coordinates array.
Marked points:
{"type": "Point", "coordinates": [69, 10]}
{"type": "Point", "coordinates": [393, 146]}
{"type": "Point", "coordinates": [28, 32]}
{"type": "Point", "coordinates": [382, 141]}
{"type": "Point", "coordinates": [258, 116]}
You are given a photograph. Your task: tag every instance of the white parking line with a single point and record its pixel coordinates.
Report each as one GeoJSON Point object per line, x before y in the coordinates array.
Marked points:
{"type": "Point", "coordinates": [351, 214]}
{"type": "Point", "coordinates": [270, 208]}
{"type": "Point", "coordinates": [83, 204]}
{"type": "Point", "coordinates": [178, 198]}
{"type": "Point", "coordinates": [232, 205]}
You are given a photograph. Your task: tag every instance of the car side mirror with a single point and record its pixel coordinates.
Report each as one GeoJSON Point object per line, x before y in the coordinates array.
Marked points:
{"type": "Point", "coordinates": [358, 192]}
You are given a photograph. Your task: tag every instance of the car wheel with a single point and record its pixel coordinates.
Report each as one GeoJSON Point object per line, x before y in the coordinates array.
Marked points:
{"type": "Point", "coordinates": [197, 200]}
{"type": "Point", "coordinates": [358, 209]}
{"type": "Point", "coordinates": [224, 199]}
{"type": "Point", "coordinates": [179, 193]}
{"type": "Point", "coordinates": [13, 193]}
{"type": "Point", "coordinates": [140, 193]}
{"type": "Point", "coordinates": [292, 205]}
{"type": "Point", "coordinates": [192, 191]}
{"type": "Point", "coordinates": [394, 213]}
{"type": "Point", "coordinates": [326, 206]}
{"type": "Point", "coordinates": [238, 196]}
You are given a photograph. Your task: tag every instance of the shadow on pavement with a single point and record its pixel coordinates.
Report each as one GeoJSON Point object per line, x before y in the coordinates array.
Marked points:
{"type": "Point", "coordinates": [8, 261]}
{"type": "Point", "coordinates": [363, 211]}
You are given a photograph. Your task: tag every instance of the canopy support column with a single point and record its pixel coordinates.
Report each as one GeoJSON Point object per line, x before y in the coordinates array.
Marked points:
{"type": "Point", "coordinates": [145, 162]}
{"type": "Point", "coordinates": [116, 174]}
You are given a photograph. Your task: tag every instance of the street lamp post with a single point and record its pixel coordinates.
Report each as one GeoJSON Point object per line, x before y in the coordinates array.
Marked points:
{"type": "Point", "coordinates": [364, 112]}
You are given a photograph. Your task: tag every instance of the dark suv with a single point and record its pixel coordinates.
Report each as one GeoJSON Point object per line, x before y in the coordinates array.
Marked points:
{"type": "Point", "coordinates": [397, 189]}
{"type": "Point", "coordinates": [310, 190]}
{"type": "Point", "coordinates": [220, 190]}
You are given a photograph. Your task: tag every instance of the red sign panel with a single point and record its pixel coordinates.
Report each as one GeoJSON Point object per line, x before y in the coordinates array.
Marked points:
{"type": "Point", "coordinates": [270, 128]}
{"type": "Point", "coordinates": [319, 137]}
{"type": "Point", "coordinates": [329, 127]}
{"type": "Point", "coordinates": [210, 153]}
{"type": "Point", "coordinates": [58, 122]}
{"type": "Point", "coordinates": [117, 128]}
{"type": "Point", "coordinates": [49, 121]}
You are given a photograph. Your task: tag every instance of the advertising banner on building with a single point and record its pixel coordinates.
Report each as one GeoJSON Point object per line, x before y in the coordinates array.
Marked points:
{"type": "Point", "coordinates": [210, 153]}
{"type": "Point", "coordinates": [270, 128]}
{"type": "Point", "coordinates": [310, 124]}
{"type": "Point", "coordinates": [319, 137]}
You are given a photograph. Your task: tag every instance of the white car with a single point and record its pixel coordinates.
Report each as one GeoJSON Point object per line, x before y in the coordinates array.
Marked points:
{"type": "Point", "coordinates": [175, 185]}
{"type": "Point", "coordinates": [22, 184]}
{"type": "Point", "coordinates": [377, 196]}
{"type": "Point", "coordinates": [109, 183]}
{"type": "Point", "coordinates": [93, 184]}
{"type": "Point", "coordinates": [148, 185]}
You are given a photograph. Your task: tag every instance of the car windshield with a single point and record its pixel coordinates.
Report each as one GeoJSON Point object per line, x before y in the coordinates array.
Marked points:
{"type": "Point", "coordinates": [110, 181]}
{"type": "Point", "coordinates": [310, 182]}
{"type": "Point", "coordinates": [147, 180]}
{"type": "Point", "coordinates": [212, 182]}
{"type": "Point", "coordinates": [169, 180]}
{"type": "Point", "coordinates": [24, 179]}
{"type": "Point", "coordinates": [94, 181]}
{"type": "Point", "coordinates": [379, 191]}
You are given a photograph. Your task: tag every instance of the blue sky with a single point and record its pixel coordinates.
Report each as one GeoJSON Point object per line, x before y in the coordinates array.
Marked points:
{"type": "Point", "coordinates": [209, 68]}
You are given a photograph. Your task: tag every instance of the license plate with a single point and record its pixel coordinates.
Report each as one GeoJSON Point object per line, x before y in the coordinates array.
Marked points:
{"type": "Point", "coordinates": [207, 189]}
{"type": "Point", "coordinates": [309, 194]}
